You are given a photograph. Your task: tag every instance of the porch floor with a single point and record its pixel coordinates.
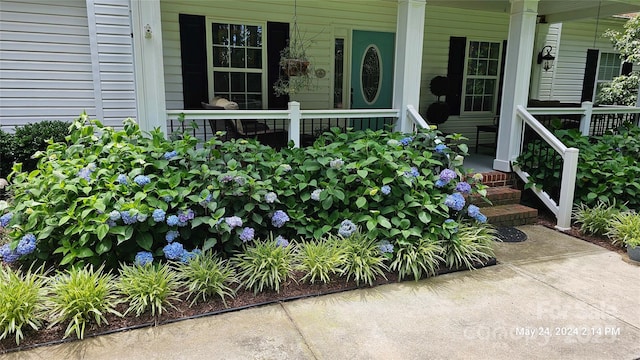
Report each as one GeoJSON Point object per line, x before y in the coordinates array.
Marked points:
{"type": "Point", "coordinates": [479, 162]}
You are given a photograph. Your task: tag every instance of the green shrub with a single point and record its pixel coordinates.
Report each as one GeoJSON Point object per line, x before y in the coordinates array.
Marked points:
{"type": "Point", "coordinates": [7, 157]}
{"type": "Point", "coordinates": [207, 275]}
{"type": "Point", "coordinates": [468, 245]}
{"type": "Point", "coordinates": [22, 297]}
{"type": "Point", "coordinates": [418, 258]}
{"type": "Point", "coordinates": [31, 138]}
{"type": "Point", "coordinates": [625, 229]}
{"type": "Point", "coordinates": [150, 286]}
{"type": "Point", "coordinates": [319, 260]}
{"type": "Point", "coordinates": [595, 220]}
{"type": "Point", "coordinates": [363, 260]}
{"type": "Point", "coordinates": [265, 265]}
{"type": "Point", "coordinates": [81, 295]}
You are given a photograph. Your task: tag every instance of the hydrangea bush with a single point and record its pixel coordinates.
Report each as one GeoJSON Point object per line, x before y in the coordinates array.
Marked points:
{"type": "Point", "coordinates": [108, 196]}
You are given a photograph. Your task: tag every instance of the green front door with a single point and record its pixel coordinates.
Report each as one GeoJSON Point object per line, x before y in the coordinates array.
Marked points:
{"type": "Point", "coordinates": [371, 73]}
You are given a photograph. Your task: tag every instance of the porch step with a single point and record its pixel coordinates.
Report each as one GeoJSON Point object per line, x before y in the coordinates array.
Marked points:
{"type": "Point", "coordinates": [498, 196]}
{"type": "Point", "coordinates": [498, 178]}
{"type": "Point", "coordinates": [510, 215]}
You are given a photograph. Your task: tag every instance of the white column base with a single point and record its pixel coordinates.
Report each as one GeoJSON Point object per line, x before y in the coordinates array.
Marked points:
{"type": "Point", "coordinates": [501, 165]}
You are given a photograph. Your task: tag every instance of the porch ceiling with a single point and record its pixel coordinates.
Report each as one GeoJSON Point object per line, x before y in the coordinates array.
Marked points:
{"type": "Point", "coordinates": [553, 10]}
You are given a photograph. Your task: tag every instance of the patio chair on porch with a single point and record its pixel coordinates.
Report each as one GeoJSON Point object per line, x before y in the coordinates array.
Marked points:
{"type": "Point", "coordinates": [492, 128]}
{"type": "Point", "coordinates": [247, 128]}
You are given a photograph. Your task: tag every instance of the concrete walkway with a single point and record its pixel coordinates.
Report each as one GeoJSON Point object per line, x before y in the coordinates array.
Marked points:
{"type": "Point", "coordinates": [550, 297]}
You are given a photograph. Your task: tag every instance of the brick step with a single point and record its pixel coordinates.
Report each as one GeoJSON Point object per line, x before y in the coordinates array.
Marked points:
{"type": "Point", "coordinates": [498, 178]}
{"type": "Point", "coordinates": [510, 215]}
{"type": "Point", "coordinates": [498, 196]}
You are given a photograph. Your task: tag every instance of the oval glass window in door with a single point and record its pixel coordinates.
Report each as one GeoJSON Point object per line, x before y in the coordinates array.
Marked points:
{"type": "Point", "coordinates": [371, 74]}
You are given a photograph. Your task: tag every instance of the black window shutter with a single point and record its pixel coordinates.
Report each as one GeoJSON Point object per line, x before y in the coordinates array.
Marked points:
{"type": "Point", "coordinates": [627, 67]}
{"type": "Point", "coordinates": [590, 71]}
{"type": "Point", "coordinates": [277, 38]}
{"type": "Point", "coordinates": [501, 81]}
{"type": "Point", "coordinates": [193, 53]}
{"type": "Point", "coordinates": [455, 73]}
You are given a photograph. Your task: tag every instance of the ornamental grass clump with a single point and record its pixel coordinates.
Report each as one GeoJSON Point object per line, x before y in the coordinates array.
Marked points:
{"type": "Point", "coordinates": [81, 295]}
{"type": "Point", "coordinates": [625, 229]}
{"type": "Point", "coordinates": [468, 245]}
{"type": "Point", "coordinates": [150, 286]}
{"type": "Point", "coordinates": [417, 258]}
{"type": "Point", "coordinates": [22, 298]}
{"type": "Point", "coordinates": [319, 260]}
{"type": "Point", "coordinates": [595, 220]}
{"type": "Point", "coordinates": [363, 260]}
{"type": "Point", "coordinates": [265, 264]}
{"type": "Point", "coordinates": [206, 276]}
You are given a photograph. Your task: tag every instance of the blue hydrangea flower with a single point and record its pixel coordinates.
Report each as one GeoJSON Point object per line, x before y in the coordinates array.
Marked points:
{"type": "Point", "coordinates": [115, 215]}
{"type": "Point", "coordinates": [347, 228]}
{"type": "Point", "coordinates": [455, 201]}
{"type": "Point", "coordinates": [188, 256]}
{"type": "Point", "coordinates": [240, 180]}
{"type": "Point", "coordinates": [172, 220]}
{"type": "Point", "coordinates": [385, 246]}
{"type": "Point", "coordinates": [447, 175]}
{"type": "Point", "coordinates": [440, 148]}
{"type": "Point", "coordinates": [206, 200]}
{"type": "Point", "coordinates": [173, 251]}
{"type": "Point", "coordinates": [386, 189]}
{"type": "Point", "coordinates": [158, 215]}
{"type": "Point", "coordinates": [5, 219]}
{"type": "Point", "coordinates": [463, 187]}
{"type": "Point", "coordinates": [481, 218]}
{"type": "Point", "coordinates": [455, 229]}
{"type": "Point", "coordinates": [247, 234]}
{"type": "Point", "coordinates": [473, 211]}
{"type": "Point", "coordinates": [412, 173]}
{"type": "Point", "coordinates": [233, 221]}
{"type": "Point", "coordinates": [111, 223]}
{"type": "Point", "coordinates": [171, 236]}
{"type": "Point", "coordinates": [7, 254]}
{"type": "Point", "coordinates": [336, 163]}
{"type": "Point", "coordinates": [440, 183]}
{"type": "Point", "coordinates": [279, 218]}
{"type": "Point", "coordinates": [85, 173]}
{"type": "Point", "coordinates": [281, 241]}
{"type": "Point", "coordinates": [167, 199]}
{"type": "Point", "coordinates": [406, 141]}
{"type": "Point", "coordinates": [122, 179]}
{"type": "Point", "coordinates": [26, 245]}
{"type": "Point", "coordinates": [270, 197]}
{"type": "Point", "coordinates": [315, 195]}
{"type": "Point", "coordinates": [143, 258]}
{"type": "Point", "coordinates": [141, 180]}
{"type": "Point", "coordinates": [170, 154]}
{"type": "Point", "coordinates": [128, 217]}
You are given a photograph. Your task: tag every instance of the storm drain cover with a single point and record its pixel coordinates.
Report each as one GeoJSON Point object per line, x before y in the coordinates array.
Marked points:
{"type": "Point", "coordinates": [510, 234]}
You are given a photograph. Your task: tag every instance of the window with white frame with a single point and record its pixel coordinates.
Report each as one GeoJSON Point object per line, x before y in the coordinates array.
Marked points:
{"type": "Point", "coordinates": [609, 67]}
{"type": "Point", "coordinates": [236, 64]}
{"type": "Point", "coordinates": [482, 74]}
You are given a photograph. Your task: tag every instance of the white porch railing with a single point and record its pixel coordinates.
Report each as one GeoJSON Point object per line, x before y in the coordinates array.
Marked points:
{"type": "Point", "coordinates": [562, 209]}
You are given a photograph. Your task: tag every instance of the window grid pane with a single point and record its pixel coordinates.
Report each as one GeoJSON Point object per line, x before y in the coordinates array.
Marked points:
{"type": "Point", "coordinates": [483, 62]}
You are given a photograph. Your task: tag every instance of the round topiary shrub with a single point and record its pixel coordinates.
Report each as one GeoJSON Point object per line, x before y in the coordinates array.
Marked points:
{"type": "Point", "coordinates": [31, 138]}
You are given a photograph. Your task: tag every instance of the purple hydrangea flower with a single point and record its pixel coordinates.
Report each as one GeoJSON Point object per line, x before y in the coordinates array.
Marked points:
{"type": "Point", "coordinates": [185, 216]}
{"type": "Point", "coordinates": [26, 245]}
{"type": "Point", "coordinates": [455, 201]}
{"type": "Point", "coordinates": [141, 180]}
{"type": "Point", "coordinates": [233, 221]}
{"type": "Point", "coordinates": [406, 141]}
{"type": "Point", "coordinates": [172, 220]}
{"type": "Point", "coordinates": [143, 258]}
{"type": "Point", "coordinates": [386, 189]}
{"type": "Point", "coordinates": [270, 197]}
{"type": "Point", "coordinates": [463, 187]}
{"type": "Point", "coordinates": [281, 241]}
{"type": "Point", "coordinates": [239, 180]}
{"type": "Point", "coordinates": [247, 234]}
{"type": "Point", "coordinates": [171, 236]}
{"type": "Point", "coordinates": [279, 218]}
{"type": "Point", "coordinates": [173, 251]}
{"type": "Point", "coordinates": [128, 217]}
{"type": "Point", "coordinates": [336, 163]}
{"type": "Point", "coordinates": [447, 175]}
{"type": "Point", "coordinates": [158, 215]}
{"type": "Point", "coordinates": [5, 219]}
{"type": "Point", "coordinates": [473, 211]}
{"type": "Point", "coordinates": [315, 195]}
{"type": "Point", "coordinates": [385, 246]}
{"type": "Point", "coordinates": [440, 148]}
{"type": "Point", "coordinates": [122, 179]}
{"type": "Point", "coordinates": [170, 154]}
{"type": "Point", "coordinates": [7, 254]}
{"type": "Point", "coordinates": [226, 178]}
{"type": "Point", "coordinates": [347, 228]}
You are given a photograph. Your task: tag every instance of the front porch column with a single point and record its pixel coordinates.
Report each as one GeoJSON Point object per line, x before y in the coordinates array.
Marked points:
{"type": "Point", "coordinates": [408, 59]}
{"type": "Point", "coordinates": [522, 28]}
{"type": "Point", "coordinates": [148, 64]}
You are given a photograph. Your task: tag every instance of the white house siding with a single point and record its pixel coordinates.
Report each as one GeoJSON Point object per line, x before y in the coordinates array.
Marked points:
{"type": "Point", "coordinates": [60, 58]}
{"type": "Point", "coordinates": [440, 24]}
{"type": "Point", "coordinates": [318, 22]}
{"type": "Point", "coordinates": [552, 39]}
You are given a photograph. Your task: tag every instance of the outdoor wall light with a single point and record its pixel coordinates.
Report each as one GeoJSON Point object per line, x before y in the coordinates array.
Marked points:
{"type": "Point", "coordinates": [547, 58]}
